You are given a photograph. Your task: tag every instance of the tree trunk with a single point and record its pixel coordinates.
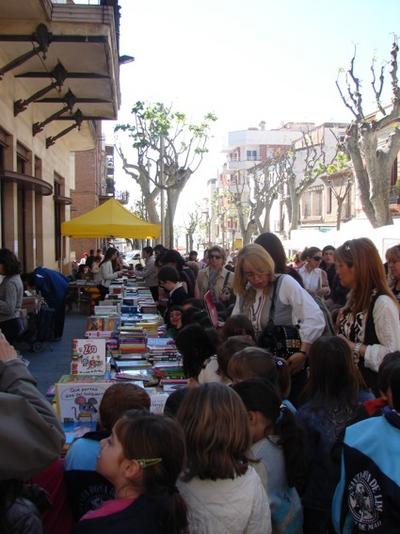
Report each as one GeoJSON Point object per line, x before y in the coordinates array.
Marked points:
{"type": "Point", "coordinates": [172, 202]}
{"type": "Point", "coordinates": [340, 202]}
{"type": "Point", "coordinates": [267, 218]}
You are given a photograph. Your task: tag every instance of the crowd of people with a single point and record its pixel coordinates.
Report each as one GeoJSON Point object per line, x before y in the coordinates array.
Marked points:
{"type": "Point", "coordinates": [289, 422]}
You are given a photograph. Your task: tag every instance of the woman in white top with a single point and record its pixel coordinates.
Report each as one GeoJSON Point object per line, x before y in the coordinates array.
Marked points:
{"type": "Point", "coordinates": [369, 320]}
{"type": "Point", "coordinates": [106, 272]}
{"type": "Point", "coordinates": [315, 279]}
{"type": "Point", "coordinates": [253, 285]}
{"type": "Point", "coordinates": [222, 491]}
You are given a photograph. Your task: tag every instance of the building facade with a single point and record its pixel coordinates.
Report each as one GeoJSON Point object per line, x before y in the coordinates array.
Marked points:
{"type": "Point", "coordinates": [59, 76]}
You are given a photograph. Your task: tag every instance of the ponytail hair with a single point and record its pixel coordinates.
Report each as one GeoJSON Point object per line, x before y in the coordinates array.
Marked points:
{"type": "Point", "coordinates": [259, 395]}
{"type": "Point", "coordinates": [148, 436]}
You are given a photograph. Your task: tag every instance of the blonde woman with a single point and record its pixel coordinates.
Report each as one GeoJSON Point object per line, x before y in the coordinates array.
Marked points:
{"type": "Point", "coordinates": [253, 285]}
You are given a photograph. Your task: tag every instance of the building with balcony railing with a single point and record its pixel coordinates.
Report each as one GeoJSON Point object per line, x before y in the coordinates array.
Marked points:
{"type": "Point", "coordinates": [59, 77]}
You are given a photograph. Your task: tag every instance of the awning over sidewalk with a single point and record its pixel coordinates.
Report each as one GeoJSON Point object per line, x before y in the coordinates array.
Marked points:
{"type": "Point", "coordinates": [110, 220]}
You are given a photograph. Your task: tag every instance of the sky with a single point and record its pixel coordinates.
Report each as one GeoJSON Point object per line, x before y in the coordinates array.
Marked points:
{"type": "Point", "coordinates": [269, 60]}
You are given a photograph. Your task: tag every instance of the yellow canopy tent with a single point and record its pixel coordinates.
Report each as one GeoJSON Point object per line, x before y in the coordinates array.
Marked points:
{"type": "Point", "coordinates": [110, 219]}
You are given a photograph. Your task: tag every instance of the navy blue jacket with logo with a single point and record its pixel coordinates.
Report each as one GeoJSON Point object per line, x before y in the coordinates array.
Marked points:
{"type": "Point", "coordinates": [367, 498]}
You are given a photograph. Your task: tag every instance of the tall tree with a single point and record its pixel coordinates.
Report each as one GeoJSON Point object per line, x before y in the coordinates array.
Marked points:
{"type": "Point", "coordinates": [191, 225]}
{"type": "Point", "coordinates": [168, 150]}
{"type": "Point", "coordinates": [298, 169]}
{"type": "Point", "coordinates": [372, 142]}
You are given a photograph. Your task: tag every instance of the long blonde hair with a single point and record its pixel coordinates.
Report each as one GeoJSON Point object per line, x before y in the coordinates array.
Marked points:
{"type": "Point", "coordinates": [259, 258]}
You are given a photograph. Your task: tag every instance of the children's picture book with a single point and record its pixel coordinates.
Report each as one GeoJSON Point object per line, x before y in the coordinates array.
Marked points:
{"type": "Point", "coordinates": [78, 397]}
{"type": "Point", "coordinates": [88, 357]}
{"type": "Point", "coordinates": [102, 324]}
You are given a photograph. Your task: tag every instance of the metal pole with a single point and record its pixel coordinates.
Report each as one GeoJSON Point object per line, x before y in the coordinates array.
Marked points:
{"type": "Point", "coordinates": [162, 189]}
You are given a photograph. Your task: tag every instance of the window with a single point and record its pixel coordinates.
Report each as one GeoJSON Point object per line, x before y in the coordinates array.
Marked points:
{"type": "Point", "coordinates": [251, 155]}
{"type": "Point", "coordinates": [307, 204]}
{"type": "Point", "coordinates": [329, 200]}
{"type": "Point", "coordinates": [318, 203]}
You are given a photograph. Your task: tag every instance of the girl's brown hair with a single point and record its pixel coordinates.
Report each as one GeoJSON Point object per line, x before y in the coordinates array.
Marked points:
{"type": "Point", "coordinates": [334, 377]}
{"type": "Point", "coordinates": [146, 436]}
{"type": "Point", "coordinates": [228, 348]}
{"type": "Point", "coordinates": [369, 273]}
{"type": "Point", "coordinates": [216, 427]}
{"type": "Point", "coordinates": [252, 362]}
{"type": "Point", "coordinates": [260, 260]}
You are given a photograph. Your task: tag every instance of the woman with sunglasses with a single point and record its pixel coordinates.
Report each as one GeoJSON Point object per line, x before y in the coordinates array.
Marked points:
{"type": "Point", "coordinates": [215, 277]}
{"type": "Point", "coordinates": [369, 321]}
{"type": "Point", "coordinates": [253, 285]}
{"type": "Point", "coordinates": [315, 279]}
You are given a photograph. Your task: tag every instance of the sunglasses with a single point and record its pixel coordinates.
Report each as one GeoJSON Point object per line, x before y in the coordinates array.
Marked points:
{"type": "Point", "coordinates": [317, 258]}
{"type": "Point", "coordinates": [214, 257]}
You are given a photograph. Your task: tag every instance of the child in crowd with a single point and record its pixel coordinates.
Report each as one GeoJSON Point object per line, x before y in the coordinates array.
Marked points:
{"type": "Point", "coordinates": [252, 362]}
{"type": "Point", "coordinates": [333, 393]}
{"type": "Point", "coordinates": [169, 279]}
{"type": "Point", "coordinates": [225, 352]}
{"type": "Point", "coordinates": [198, 347]}
{"type": "Point", "coordinates": [142, 459]}
{"type": "Point", "coordinates": [87, 489]}
{"type": "Point", "coordinates": [237, 325]}
{"type": "Point", "coordinates": [174, 321]}
{"type": "Point", "coordinates": [223, 492]}
{"type": "Point", "coordinates": [367, 498]}
{"type": "Point", "coordinates": [374, 407]}
{"type": "Point", "coordinates": [278, 442]}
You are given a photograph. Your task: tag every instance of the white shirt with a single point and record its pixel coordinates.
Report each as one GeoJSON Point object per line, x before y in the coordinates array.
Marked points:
{"type": "Point", "coordinates": [387, 328]}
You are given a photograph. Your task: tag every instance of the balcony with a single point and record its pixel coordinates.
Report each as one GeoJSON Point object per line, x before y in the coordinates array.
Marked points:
{"type": "Point", "coordinates": [244, 164]}
{"type": "Point", "coordinates": [122, 197]}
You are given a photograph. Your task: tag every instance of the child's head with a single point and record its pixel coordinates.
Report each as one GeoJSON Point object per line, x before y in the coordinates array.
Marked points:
{"type": "Point", "coordinates": [168, 277]}
{"type": "Point", "coordinates": [268, 416]}
{"type": "Point", "coordinates": [252, 362]}
{"type": "Point", "coordinates": [228, 348]}
{"type": "Point", "coordinates": [394, 390]}
{"type": "Point", "coordinates": [237, 325]}
{"type": "Point", "coordinates": [175, 316]}
{"type": "Point", "coordinates": [216, 428]}
{"type": "Point", "coordinates": [174, 401]}
{"type": "Point", "coordinates": [389, 363]}
{"type": "Point", "coordinates": [262, 402]}
{"type": "Point", "coordinates": [333, 373]}
{"type": "Point", "coordinates": [196, 346]}
{"type": "Point", "coordinates": [119, 398]}
{"type": "Point", "coordinates": [144, 455]}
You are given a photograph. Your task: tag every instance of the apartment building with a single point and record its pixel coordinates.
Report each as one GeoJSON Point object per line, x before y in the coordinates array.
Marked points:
{"type": "Point", "coordinates": [246, 148]}
{"type": "Point", "coordinates": [59, 76]}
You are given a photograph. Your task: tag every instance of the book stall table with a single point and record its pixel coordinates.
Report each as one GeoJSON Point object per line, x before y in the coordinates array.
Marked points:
{"type": "Point", "coordinates": [124, 341]}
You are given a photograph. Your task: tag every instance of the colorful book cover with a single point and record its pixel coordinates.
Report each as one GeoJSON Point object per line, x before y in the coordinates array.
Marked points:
{"type": "Point", "coordinates": [88, 357]}
{"type": "Point", "coordinates": [79, 400]}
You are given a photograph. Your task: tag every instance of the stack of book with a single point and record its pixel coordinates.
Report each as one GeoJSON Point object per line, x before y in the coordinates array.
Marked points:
{"type": "Point", "coordinates": [132, 341]}
{"type": "Point", "coordinates": [160, 349]}
{"type": "Point", "coordinates": [106, 310]}
{"type": "Point", "coordinates": [168, 371]}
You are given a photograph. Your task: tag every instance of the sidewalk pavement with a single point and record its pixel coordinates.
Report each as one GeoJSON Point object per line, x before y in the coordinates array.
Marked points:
{"type": "Point", "coordinates": [54, 359]}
